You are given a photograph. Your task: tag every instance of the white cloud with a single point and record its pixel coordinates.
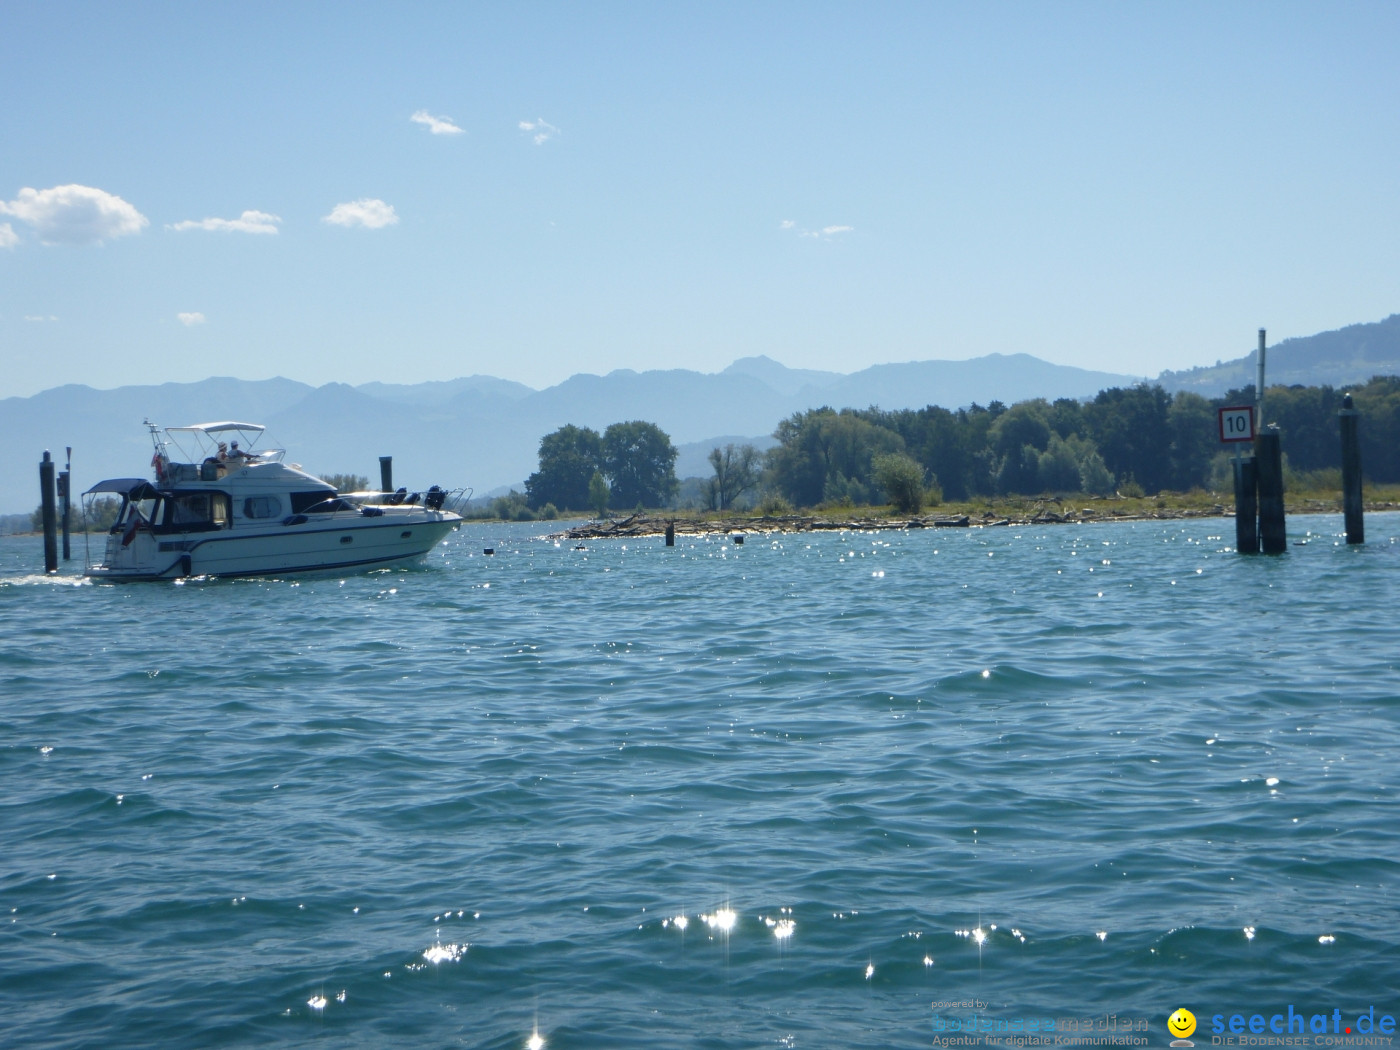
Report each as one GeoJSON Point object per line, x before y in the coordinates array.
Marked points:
{"type": "Point", "coordinates": [40, 317]}
{"type": "Point", "coordinates": [437, 125]}
{"type": "Point", "coordinates": [540, 130]}
{"type": "Point", "coordinates": [74, 214]}
{"type": "Point", "coordinates": [248, 222]}
{"type": "Point", "coordinates": [190, 319]}
{"type": "Point", "coordinates": [8, 237]}
{"type": "Point", "coordinates": [369, 212]}
{"type": "Point", "coordinates": [825, 233]}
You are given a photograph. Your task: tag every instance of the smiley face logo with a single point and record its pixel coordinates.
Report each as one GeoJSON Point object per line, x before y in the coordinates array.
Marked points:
{"type": "Point", "coordinates": [1182, 1023]}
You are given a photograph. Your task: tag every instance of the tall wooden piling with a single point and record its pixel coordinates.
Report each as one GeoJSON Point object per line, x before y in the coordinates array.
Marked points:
{"type": "Point", "coordinates": [49, 513]}
{"type": "Point", "coordinates": [1259, 381]}
{"type": "Point", "coordinates": [1246, 506]}
{"type": "Point", "coordinates": [670, 534]}
{"type": "Point", "coordinates": [1351, 472]}
{"type": "Point", "coordinates": [65, 490]}
{"type": "Point", "coordinates": [386, 473]}
{"type": "Point", "coordinates": [1268, 454]}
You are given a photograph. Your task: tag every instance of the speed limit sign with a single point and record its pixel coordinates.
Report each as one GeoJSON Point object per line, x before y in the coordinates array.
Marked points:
{"type": "Point", "coordinates": [1237, 423]}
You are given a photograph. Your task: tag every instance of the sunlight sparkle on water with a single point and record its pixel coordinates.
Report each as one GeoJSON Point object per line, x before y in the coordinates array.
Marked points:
{"type": "Point", "coordinates": [440, 953]}
{"type": "Point", "coordinates": [723, 920]}
{"type": "Point", "coordinates": [535, 1042]}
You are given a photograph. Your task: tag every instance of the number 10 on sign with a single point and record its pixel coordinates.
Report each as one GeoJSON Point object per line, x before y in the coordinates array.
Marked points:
{"type": "Point", "coordinates": [1237, 423]}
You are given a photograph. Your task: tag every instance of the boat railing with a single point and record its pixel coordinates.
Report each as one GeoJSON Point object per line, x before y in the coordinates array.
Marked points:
{"type": "Point", "coordinates": [433, 498]}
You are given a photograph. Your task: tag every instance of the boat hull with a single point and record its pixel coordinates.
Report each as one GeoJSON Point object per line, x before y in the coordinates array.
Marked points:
{"type": "Point", "coordinates": [353, 545]}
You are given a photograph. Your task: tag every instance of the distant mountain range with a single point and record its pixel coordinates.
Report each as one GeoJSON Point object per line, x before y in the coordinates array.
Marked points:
{"type": "Point", "coordinates": [485, 432]}
{"type": "Point", "coordinates": [1348, 355]}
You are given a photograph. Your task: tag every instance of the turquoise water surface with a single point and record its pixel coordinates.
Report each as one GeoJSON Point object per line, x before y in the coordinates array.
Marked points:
{"type": "Point", "coordinates": [792, 793]}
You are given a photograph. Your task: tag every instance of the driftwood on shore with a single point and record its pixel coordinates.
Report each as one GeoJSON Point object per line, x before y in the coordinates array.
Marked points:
{"type": "Point", "coordinates": [641, 524]}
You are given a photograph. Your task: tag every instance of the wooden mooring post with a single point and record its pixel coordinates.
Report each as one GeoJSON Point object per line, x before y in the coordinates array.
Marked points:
{"type": "Point", "coordinates": [1351, 473]}
{"type": "Point", "coordinates": [65, 502]}
{"type": "Point", "coordinates": [670, 534]}
{"type": "Point", "coordinates": [386, 473]}
{"type": "Point", "coordinates": [1268, 455]}
{"type": "Point", "coordinates": [49, 513]}
{"type": "Point", "coordinates": [1259, 518]}
{"type": "Point", "coordinates": [1246, 506]}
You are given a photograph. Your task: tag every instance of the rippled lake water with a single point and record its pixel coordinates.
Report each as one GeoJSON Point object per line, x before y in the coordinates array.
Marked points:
{"type": "Point", "coordinates": [792, 793]}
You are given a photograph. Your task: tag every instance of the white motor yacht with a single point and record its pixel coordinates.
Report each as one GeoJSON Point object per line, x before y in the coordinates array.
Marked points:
{"type": "Point", "coordinates": [219, 506]}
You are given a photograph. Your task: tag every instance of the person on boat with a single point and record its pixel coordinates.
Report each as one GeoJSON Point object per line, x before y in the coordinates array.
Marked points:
{"type": "Point", "coordinates": [238, 458]}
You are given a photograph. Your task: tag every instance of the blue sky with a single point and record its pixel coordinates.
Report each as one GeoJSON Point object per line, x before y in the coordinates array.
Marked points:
{"type": "Point", "coordinates": [243, 189]}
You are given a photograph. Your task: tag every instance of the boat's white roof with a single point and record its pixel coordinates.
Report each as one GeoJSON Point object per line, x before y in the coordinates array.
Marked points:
{"type": "Point", "coordinates": [219, 428]}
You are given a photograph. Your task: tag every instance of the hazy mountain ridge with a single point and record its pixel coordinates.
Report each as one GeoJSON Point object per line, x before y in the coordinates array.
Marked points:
{"type": "Point", "coordinates": [485, 432]}
{"type": "Point", "coordinates": [1346, 355]}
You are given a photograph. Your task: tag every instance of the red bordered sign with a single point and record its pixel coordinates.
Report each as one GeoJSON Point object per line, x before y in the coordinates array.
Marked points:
{"type": "Point", "coordinates": [1237, 423]}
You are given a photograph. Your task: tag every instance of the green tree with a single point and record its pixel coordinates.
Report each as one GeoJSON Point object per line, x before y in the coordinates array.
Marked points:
{"type": "Point", "coordinates": [101, 514]}
{"type": "Point", "coordinates": [1379, 404]}
{"type": "Point", "coordinates": [902, 479]}
{"type": "Point", "coordinates": [1094, 476]}
{"type": "Point", "coordinates": [939, 440]}
{"type": "Point", "coordinates": [1129, 428]}
{"type": "Point", "coordinates": [347, 482]}
{"type": "Point", "coordinates": [826, 455]}
{"type": "Point", "coordinates": [511, 507]}
{"type": "Point", "coordinates": [598, 493]}
{"type": "Point", "coordinates": [1024, 423]}
{"type": "Point", "coordinates": [569, 457]}
{"type": "Point", "coordinates": [1019, 471]}
{"type": "Point", "coordinates": [640, 463]}
{"type": "Point", "coordinates": [1195, 438]}
{"type": "Point", "coordinates": [736, 472]}
{"type": "Point", "coordinates": [1017, 438]}
{"type": "Point", "coordinates": [1059, 469]}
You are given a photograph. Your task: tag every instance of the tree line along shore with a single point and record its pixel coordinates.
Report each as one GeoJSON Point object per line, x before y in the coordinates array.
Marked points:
{"type": "Point", "coordinates": [1125, 443]}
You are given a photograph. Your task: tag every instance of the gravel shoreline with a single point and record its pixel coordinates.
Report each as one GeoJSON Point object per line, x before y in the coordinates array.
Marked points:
{"type": "Point", "coordinates": [648, 524]}
{"type": "Point", "coordinates": [637, 525]}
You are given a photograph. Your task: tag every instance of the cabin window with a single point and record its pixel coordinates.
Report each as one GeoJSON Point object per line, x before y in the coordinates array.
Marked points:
{"type": "Point", "coordinates": [193, 512]}
{"type": "Point", "coordinates": [262, 507]}
{"type": "Point", "coordinates": [189, 509]}
{"type": "Point", "coordinates": [143, 510]}
{"type": "Point", "coordinates": [317, 502]}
